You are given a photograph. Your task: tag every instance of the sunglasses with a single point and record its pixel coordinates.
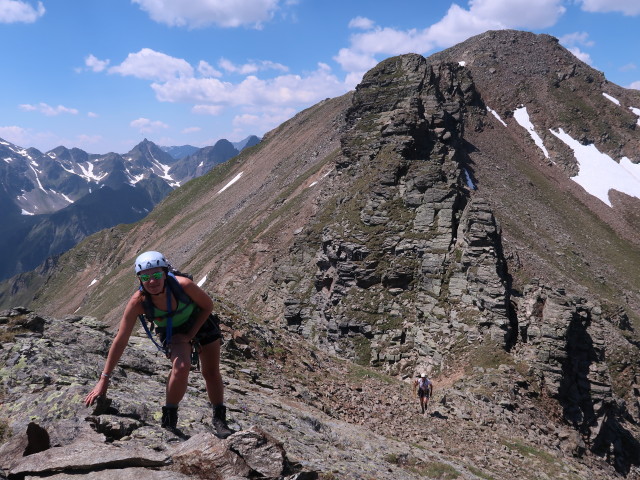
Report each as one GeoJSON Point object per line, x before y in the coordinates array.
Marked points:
{"type": "Point", "coordinates": [145, 277]}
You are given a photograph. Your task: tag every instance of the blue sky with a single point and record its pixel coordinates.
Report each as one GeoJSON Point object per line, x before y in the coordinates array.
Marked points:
{"type": "Point", "coordinates": [101, 75]}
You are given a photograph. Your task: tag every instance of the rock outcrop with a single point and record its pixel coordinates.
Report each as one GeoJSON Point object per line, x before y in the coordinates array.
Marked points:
{"type": "Point", "coordinates": [410, 271]}
{"type": "Point", "coordinates": [413, 264]}
{"type": "Point", "coordinates": [48, 366]}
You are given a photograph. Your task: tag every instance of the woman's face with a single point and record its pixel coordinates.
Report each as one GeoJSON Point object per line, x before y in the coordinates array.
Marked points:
{"type": "Point", "coordinates": [149, 281]}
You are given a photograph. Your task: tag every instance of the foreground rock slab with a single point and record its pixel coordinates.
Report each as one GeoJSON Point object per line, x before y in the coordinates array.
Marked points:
{"type": "Point", "coordinates": [84, 456]}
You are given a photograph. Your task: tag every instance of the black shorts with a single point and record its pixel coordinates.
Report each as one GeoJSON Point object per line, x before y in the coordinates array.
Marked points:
{"type": "Point", "coordinates": [423, 393]}
{"type": "Point", "coordinates": [209, 332]}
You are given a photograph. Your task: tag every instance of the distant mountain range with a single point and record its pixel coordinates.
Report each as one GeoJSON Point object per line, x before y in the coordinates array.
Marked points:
{"type": "Point", "coordinates": [50, 201]}
{"type": "Point", "coordinates": [179, 152]}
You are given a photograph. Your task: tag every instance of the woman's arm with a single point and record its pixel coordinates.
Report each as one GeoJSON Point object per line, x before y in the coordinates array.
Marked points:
{"type": "Point", "coordinates": [131, 312]}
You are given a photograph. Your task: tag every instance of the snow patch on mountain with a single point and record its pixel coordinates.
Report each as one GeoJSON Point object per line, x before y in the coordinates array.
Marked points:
{"type": "Point", "coordinates": [133, 179]}
{"type": "Point", "coordinates": [313, 184]}
{"type": "Point", "coordinates": [23, 153]}
{"type": "Point", "coordinates": [470, 183]}
{"type": "Point", "coordinates": [613, 99]}
{"type": "Point", "coordinates": [31, 165]}
{"type": "Point", "coordinates": [87, 173]}
{"type": "Point", "coordinates": [495, 114]}
{"type": "Point", "coordinates": [522, 117]}
{"type": "Point", "coordinates": [599, 173]}
{"type": "Point", "coordinates": [234, 180]}
{"type": "Point", "coordinates": [163, 170]}
{"type": "Point", "coordinates": [63, 196]}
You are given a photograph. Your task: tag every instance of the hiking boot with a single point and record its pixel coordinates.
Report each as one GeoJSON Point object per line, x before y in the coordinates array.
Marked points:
{"type": "Point", "coordinates": [169, 417]}
{"type": "Point", "coordinates": [220, 426]}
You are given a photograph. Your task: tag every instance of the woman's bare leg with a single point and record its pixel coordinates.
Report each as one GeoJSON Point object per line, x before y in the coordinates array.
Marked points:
{"type": "Point", "coordinates": [210, 366]}
{"type": "Point", "coordinates": [179, 376]}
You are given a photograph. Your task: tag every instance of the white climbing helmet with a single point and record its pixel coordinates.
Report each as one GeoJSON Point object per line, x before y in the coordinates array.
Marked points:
{"type": "Point", "coordinates": [150, 259]}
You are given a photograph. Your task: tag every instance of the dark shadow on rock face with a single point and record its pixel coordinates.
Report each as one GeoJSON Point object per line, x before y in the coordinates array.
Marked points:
{"type": "Point", "coordinates": [575, 392]}
{"type": "Point", "coordinates": [38, 439]}
{"type": "Point", "coordinates": [437, 414]}
{"type": "Point", "coordinates": [616, 443]}
{"type": "Point", "coordinates": [594, 414]}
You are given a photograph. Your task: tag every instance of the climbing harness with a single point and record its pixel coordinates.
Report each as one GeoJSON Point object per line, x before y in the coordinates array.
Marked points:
{"type": "Point", "coordinates": [174, 288]}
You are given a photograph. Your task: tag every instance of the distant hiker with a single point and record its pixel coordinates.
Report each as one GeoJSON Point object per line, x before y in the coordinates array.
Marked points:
{"type": "Point", "coordinates": [425, 389]}
{"type": "Point", "coordinates": [181, 313]}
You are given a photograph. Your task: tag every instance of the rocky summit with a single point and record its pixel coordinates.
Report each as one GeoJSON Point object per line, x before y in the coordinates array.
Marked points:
{"type": "Point", "coordinates": [433, 221]}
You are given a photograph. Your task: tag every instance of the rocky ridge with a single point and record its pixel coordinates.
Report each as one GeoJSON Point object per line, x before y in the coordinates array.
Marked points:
{"type": "Point", "coordinates": [422, 276]}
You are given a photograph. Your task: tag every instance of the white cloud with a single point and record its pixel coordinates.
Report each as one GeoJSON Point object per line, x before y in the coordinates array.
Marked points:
{"type": "Point", "coordinates": [207, 70]}
{"type": "Point", "coordinates": [362, 23]}
{"type": "Point", "coordinates": [531, 14]}
{"type": "Point", "coordinates": [208, 109]}
{"type": "Point", "coordinates": [353, 79]}
{"type": "Point", "coordinates": [151, 65]}
{"type": "Point", "coordinates": [264, 120]}
{"type": "Point", "coordinates": [389, 40]}
{"type": "Point", "coordinates": [95, 64]}
{"type": "Point", "coordinates": [571, 41]}
{"type": "Point", "coordinates": [628, 7]}
{"type": "Point", "coordinates": [14, 134]}
{"type": "Point", "coordinates": [585, 57]}
{"type": "Point", "coordinates": [201, 13]}
{"type": "Point", "coordinates": [252, 91]}
{"type": "Point", "coordinates": [353, 61]}
{"type": "Point", "coordinates": [87, 140]}
{"type": "Point", "coordinates": [174, 80]}
{"type": "Point", "coordinates": [246, 119]}
{"type": "Point", "coordinates": [29, 138]}
{"type": "Point", "coordinates": [252, 67]}
{"type": "Point", "coordinates": [144, 125]}
{"type": "Point", "coordinates": [576, 38]}
{"type": "Point", "coordinates": [48, 110]}
{"type": "Point", "coordinates": [457, 25]}
{"type": "Point", "coordinates": [191, 130]}
{"type": "Point", "coordinates": [635, 85]}
{"type": "Point", "coordinates": [13, 11]}
{"type": "Point", "coordinates": [92, 115]}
